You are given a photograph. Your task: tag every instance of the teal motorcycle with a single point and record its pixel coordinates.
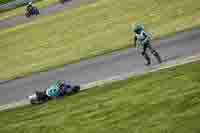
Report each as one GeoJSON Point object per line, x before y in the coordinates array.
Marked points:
{"type": "Point", "coordinates": [54, 91]}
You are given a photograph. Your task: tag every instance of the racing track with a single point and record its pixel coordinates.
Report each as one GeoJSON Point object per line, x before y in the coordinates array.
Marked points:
{"type": "Point", "coordinates": [117, 63]}
{"type": "Point", "coordinates": [11, 22]}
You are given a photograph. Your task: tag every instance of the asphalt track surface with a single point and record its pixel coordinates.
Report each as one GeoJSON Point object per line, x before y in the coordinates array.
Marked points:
{"type": "Point", "coordinates": [21, 19]}
{"type": "Point", "coordinates": [122, 62]}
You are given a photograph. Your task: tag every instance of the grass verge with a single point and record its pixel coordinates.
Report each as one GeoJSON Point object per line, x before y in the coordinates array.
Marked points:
{"type": "Point", "coordinates": [88, 31]}
{"type": "Point", "coordinates": [5, 1]}
{"type": "Point", "coordinates": [166, 101]}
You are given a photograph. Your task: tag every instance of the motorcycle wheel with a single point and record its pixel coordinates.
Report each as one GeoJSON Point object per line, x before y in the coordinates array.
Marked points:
{"type": "Point", "coordinates": [37, 12]}
{"type": "Point", "coordinates": [27, 14]}
{"type": "Point", "coordinates": [76, 89]}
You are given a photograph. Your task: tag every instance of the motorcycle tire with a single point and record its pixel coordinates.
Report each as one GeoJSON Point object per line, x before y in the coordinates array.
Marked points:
{"type": "Point", "coordinates": [76, 89]}
{"type": "Point", "coordinates": [27, 15]}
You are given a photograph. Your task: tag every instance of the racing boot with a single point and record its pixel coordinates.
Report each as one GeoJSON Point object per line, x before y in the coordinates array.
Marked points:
{"type": "Point", "coordinates": [147, 59]}
{"type": "Point", "coordinates": [157, 56]}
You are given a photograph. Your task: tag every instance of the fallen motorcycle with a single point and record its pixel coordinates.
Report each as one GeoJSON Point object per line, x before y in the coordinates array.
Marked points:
{"type": "Point", "coordinates": [52, 92]}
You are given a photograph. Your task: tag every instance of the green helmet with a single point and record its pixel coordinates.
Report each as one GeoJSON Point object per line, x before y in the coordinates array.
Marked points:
{"type": "Point", "coordinates": [138, 28]}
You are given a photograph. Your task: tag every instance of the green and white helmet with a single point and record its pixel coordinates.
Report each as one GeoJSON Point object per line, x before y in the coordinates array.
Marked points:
{"type": "Point", "coordinates": [138, 27]}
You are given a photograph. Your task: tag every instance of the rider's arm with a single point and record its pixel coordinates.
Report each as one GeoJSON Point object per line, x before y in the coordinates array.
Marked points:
{"type": "Point", "coordinates": [147, 38]}
{"type": "Point", "coordinates": [135, 40]}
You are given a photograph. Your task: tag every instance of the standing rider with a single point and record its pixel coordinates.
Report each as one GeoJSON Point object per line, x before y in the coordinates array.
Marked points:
{"type": "Point", "coordinates": [142, 39]}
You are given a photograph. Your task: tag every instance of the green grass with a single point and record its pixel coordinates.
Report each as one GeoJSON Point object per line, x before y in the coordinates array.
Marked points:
{"type": "Point", "coordinates": [88, 31]}
{"type": "Point", "coordinates": [5, 1]}
{"type": "Point", "coordinates": [21, 10]}
{"type": "Point", "coordinates": [167, 101]}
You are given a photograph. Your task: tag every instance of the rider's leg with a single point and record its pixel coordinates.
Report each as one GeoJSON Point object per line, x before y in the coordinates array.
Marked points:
{"type": "Point", "coordinates": [155, 53]}
{"type": "Point", "coordinates": [146, 56]}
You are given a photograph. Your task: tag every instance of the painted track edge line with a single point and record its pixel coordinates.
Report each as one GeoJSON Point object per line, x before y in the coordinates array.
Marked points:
{"type": "Point", "coordinates": [155, 68]}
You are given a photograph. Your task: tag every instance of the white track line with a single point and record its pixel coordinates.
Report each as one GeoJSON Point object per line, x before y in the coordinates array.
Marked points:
{"type": "Point", "coordinates": [155, 68]}
{"type": "Point", "coordinates": [164, 65]}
